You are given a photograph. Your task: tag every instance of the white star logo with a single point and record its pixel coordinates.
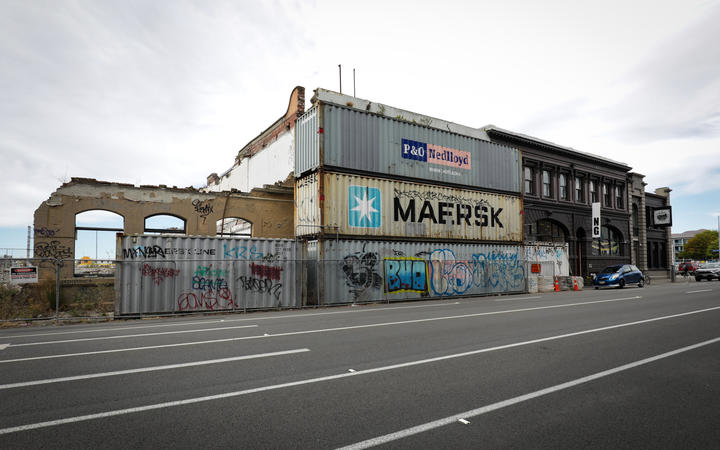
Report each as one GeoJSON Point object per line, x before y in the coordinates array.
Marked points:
{"type": "Point", "coordinates": [364, 206]}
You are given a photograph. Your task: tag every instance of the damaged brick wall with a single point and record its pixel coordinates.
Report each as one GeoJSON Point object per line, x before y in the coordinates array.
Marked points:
{"type": "Point", "coordinates": [269, 210]}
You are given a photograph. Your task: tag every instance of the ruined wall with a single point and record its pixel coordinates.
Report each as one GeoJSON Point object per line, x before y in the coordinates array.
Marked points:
{"type": "Point", "coordinates": [268, 158]}
{"type": "Point", "coordinates": [270, 210]}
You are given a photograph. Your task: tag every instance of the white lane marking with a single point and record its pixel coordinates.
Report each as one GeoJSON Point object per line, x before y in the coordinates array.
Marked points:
{"type": "Point", "coordinates": [148, 369]}
{"type": "Point", "coordinates": [518, 298]}
{"type": "Point", "coordinates": [4, 346]}
{"type": "Point", "coordinates": [463, 421]}
{"type": "Point", "coordinates": [295, 333]}
{"type": "Point", "coordinates": [701, 290]}
{"type": "Point", "coordinates": [190, 401]}
{"type": "Point", "coordinates": [247, 319]}
{"type": "Point", "coordinates": [124, 336]}
{"type": "Point", "coordinates": [522, 398]}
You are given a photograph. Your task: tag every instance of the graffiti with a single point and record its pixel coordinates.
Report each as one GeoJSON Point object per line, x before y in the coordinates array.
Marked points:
{"type": "Point", "coordinates": [494, 271]}
{"type": "Point", "coordinates": [53, 250]}
{"type": "Point", "coordinates": [439, 196]}
{"type": "Point", "coordinates": [158, 274]}
{"type": "Point", "coordinates": [262, 286]}
{"type": "Point", "coordinates": [209, 284]}
{"type": "Point", "coordinates": [208, 271]}
{"type": "Point", "coordinates": [264, 271]}
{"type": "Point", "coordinates": [360, 272]}
{"type": "Point", "coordinates": [144, 252]}
{"type": "Point", "coordinates": [208, 300]}
{"type": "Point", "coordinates": [46, 232]}
{"type": "Point", "coordinates": [243, 252]}
{"type": "Point", "coordinates": [189, 251]}
{"type": "Point", "coordinates": [203, 208]}
{"type": "Point", "coordinates": [498, 271]}
{"type": "Point", "coordinates": [405, 275]}
{"type": "Point", "coordinates": [449, 276]}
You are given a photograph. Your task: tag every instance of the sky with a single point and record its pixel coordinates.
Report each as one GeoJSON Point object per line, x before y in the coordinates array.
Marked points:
{"type": "Point", "coordinates": [167, 92]}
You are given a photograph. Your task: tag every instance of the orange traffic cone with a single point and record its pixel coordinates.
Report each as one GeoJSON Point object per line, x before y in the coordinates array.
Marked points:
{"type": "Point", "coordinates": [575, 285]}
{"type": "Point", "coordinates": [556, 285]}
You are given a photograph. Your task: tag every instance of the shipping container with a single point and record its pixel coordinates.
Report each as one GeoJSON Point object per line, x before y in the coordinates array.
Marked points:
{"type": "Point", "coordinates": [348, 139]}
{"type": "Point", "coordinates": [356, 271]}
{"type": "Point", "coordinates": [373, 207]}
{"type": "Point", "coordinates": [176, 274]}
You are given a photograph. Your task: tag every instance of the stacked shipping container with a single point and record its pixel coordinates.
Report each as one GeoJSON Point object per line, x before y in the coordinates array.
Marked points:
{"type": "Point", "coordinates": [396, 181]}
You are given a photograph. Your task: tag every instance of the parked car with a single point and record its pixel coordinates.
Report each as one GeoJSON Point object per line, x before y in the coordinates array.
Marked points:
{"type": "Point", "coordinates": [687, 268]}
{"type": "Point", "coordinates": [708, 271]}
{"type": "Point", "coordinates": [619, 275]}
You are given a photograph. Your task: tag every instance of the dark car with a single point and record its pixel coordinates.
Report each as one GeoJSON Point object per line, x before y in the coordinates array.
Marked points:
{"type": "Point", "coordinates": [708, 271]}
{"type": "Point", "coordinates": [619, 275]}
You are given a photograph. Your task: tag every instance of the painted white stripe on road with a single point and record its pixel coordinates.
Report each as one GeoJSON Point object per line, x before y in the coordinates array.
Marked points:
{"type": "Point", "coordinates": [701, 290]}
{"type": "Point", "coordinates": [518, 298]}
{"type": "Point", "coordinates": [296, 333]}
{"type": "Point", "coordinates": [522, 398]}
{"type": "Point", "coordinates": [4, 346]}
{"type": "Point", "coordinates": [371, 308]}
{"type": "Point", "coordinates": [190, 401]}
{"type": "Point", "coordinates": [148, 369]}
{"type": "Point", "coordinates": [124, 336]}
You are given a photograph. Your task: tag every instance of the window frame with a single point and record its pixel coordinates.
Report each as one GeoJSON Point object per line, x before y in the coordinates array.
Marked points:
{"type": "Point", "coordinates": [562, 188]}
{"type": "Point", "coordinates": [548, 184]}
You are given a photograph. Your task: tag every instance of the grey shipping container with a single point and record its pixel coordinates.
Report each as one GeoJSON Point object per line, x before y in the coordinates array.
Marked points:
{"type": "Point", "coordinates": [351, 140]}
{"type": "Point", "coordinates": [366, 271]}
{"type": "Point", "coordinates": [170, 274]}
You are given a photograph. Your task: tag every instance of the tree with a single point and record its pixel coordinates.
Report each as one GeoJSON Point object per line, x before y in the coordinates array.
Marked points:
{"type": "Point", "coordinates": [701, 246]}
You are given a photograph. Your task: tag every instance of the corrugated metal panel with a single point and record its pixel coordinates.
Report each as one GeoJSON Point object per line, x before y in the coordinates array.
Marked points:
{"type": "Point", "coordinates": [307, 205]}
{"type": "Point", "coordinates": [360, 141]}
{"type": "Point", "coordinates": [307, 143]}
{"type": "Point", "coordinates": [364, 271]}
{"type": "Point", "coordinates": [160, 274]}
{"type": "Point", "coordinates": [372, 207]}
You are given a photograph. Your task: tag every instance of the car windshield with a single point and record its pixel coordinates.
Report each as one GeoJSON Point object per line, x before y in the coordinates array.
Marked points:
{"type": "Point", "coordinates": [611, 269]}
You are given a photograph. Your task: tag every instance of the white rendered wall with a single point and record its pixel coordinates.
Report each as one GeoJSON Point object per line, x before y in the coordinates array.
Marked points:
{"type": "Point", "coordinates": [268, 166]}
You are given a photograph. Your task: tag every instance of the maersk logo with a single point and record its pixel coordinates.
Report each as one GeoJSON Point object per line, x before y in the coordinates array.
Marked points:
{"type": "Point", "coordinates": [364, 207]}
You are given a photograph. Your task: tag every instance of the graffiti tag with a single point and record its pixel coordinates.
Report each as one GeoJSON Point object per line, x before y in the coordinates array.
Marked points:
{"type": "Point", "coordinates": [264, 271]}
{"type": "Point", "coordinates": [262, 286]}
{"type": "Point", "coordinates": [158, 274]}
{"type": "Point", "coordinates": [405, 275]}
{"type": "Point", "coordinates": [53, 250]}
{"type": "Point", "coordinates": [46, 232]}
{"type": "Point", "coordinates": [203, 208]}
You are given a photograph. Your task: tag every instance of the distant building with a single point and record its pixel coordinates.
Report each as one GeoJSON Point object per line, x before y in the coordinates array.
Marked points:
{"type": "Point", "coordinates": [680, 239]}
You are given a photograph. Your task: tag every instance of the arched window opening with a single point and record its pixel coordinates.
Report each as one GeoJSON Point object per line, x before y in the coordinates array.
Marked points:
{"type": "Point", "coordinates": [609, 244]}
{"type": "Point", "coordinates": [95, 240]}
{"type": "Point", "coordinates": [164, 224]}
{"type": "Point", "coordinates": [233, 226]}
{"type": "Point", "coordinates": [546, 230]}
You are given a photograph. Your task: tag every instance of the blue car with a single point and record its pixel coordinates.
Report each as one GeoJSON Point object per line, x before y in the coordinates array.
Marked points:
{"type": "Point", "coordinates": [619, 275]}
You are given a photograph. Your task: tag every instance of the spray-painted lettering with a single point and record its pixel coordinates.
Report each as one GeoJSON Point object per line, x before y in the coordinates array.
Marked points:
{"type": "Point", "coordinates": [405, 275]}
{"type": "Point", "coordinates": [158, 274]}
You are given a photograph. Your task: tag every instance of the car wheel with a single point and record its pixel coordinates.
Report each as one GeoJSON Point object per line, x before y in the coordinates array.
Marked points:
{"type": "Point", "coordinates": [698, 278]}
{"type": "Point", "coordinates": [597, 287]}
{"type": "Point", "coordinates": [641, 283]}
{"type": "Point", "coordinates": [621, 284]}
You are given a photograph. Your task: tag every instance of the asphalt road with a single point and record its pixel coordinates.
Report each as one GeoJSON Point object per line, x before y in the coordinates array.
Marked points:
{"type": "Point", "coordinates": [631, 368]}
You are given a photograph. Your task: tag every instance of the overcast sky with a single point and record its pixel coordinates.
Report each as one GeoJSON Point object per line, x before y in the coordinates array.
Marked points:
{"type": "Point", "coordinates": [167, 92]}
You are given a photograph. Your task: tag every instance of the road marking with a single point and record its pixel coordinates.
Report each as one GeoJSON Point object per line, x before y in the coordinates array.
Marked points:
{"type": "Point", "coordinates": [463, 421]}
{"type": "Point", "coordinates": [4, 346]}
{"type": "Point", "coordinates": [523, 298]}
{"type": "Point", "coordinates": [522, 398]}
{"type": "Point", "coordinates": [100, 338]}
{"type": "Point", "coordinates": [701, 290]}
{"type": "Point", "coordinates": [247, 319]}
{"type": "Point", "coordinates": [190, 401]}
{"type": "Point", "coordinates": [148, 369]}
{"type": "Point", "coordinates": [296, 333]}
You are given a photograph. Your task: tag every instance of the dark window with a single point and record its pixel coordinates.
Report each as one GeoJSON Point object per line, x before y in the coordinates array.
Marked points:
{"type": "Point", "coordinates": [619, 194]}
{"type": "Point", "coordinates": [548, 231]}
{"type": "Point", "coordinates": [606, 194]}
{"type": "Point", "coordinates": [563, 187]}
{"type": "Point", "coordinates": [529, 175]}
{"type": "Point", "coordinates": [609, 244]}
{"type": "Point", "coordinates": [593, 191]}
{"type": "Point", "coordinates": [547, 184]}
{"type": "Point", "coordinates": [579, 190]}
